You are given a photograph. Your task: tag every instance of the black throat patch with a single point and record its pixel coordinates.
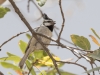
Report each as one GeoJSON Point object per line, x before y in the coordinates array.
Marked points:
{"type": "Point", "coordinates": [50, 27]}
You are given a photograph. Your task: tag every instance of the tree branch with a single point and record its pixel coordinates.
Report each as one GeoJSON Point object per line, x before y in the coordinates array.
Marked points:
{"type": "Point", "coordinates": [63, 20]}
{"type": "Point", "coordinates": [74, 64]}
{"type": "Point", "coordinates": [1, 73]}
{"type": "Point", "coordinates": [11, 38]}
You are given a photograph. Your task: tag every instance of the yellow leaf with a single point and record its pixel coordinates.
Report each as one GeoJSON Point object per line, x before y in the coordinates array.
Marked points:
{"type": "Point", "coordinates": [94, 40]}
{"type": "Point", "coordinates": [47, 61]}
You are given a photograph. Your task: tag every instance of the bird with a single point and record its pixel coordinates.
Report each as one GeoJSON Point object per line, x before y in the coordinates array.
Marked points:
{"type": "Point", "coordinates": [46, 29]}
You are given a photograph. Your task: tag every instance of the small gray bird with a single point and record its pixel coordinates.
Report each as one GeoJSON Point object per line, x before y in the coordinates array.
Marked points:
{"type": "Point", "coordinates": [45, 29]}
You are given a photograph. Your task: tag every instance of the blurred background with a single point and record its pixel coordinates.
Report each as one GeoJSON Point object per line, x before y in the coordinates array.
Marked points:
{"type": "Point", "coordinates": [80, 15]}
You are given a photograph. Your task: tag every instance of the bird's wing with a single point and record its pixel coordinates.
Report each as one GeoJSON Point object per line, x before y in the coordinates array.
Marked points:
{"type": "Point", "coordinates": [28, 45]}
{"type": "Point", "coordinates": [32, 38]}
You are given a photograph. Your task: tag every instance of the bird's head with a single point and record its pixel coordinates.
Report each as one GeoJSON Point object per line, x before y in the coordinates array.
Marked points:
{"type": "Point", "coordinates": [47, 21]}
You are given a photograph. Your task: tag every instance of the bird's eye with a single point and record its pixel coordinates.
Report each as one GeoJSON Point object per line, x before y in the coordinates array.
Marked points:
{"type": "Point", "coordinates": [48, 21]}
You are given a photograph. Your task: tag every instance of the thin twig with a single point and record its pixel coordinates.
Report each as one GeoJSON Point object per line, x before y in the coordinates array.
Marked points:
{"type": "Point", "coordinates": [68, 41]}
{"type": "Point", "coordinates": [62, 45]}
{"type": "Point", "coordinates": [75, 64]}
{"type": "Point", "coordinates": [12, 38]}
{"type": "Point", "coordinates": [63, 20]}
{"type": "Point", "coordinates": [37, 7]}
{"type": "Point", "coordinates": [92, 68]}
{"type": "Point", "coordinates": [1, 73]}
{"type": "Point", "coordinates": [28, 5]}
{"type": "Point", "coordinates": [58, 43]}
{"type": "Point", "coordinates": [52, 44]}
{"type": "Point", "coordinates": [74, 53]}
{"type": "Point", "coordinates": [78, 59]}
{"type": "Point", "coordinates": [97, 66]}
{"type": "Point", "coordinates": [33, 63]}
{"type": "Point", "coordinates": [64, 39]}
{"type": "Point", "coordinates": [33, 33]}
{"type": "Point", "coordinates": [39, 70]}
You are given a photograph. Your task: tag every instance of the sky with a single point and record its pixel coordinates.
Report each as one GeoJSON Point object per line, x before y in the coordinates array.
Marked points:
{"type": "Point", "coordinates": [80, 17]}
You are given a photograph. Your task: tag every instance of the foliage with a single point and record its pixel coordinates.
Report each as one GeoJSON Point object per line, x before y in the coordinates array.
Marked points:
{"type": "Point", "coordinates": [41, 2]}
{"type": "Point", "coordinates": [39, 58]}
{"type": "Point", "coordinates": [94, 69]}
{"type": "Point", "coordinates": [81, 41]}
{"type": "Point", "coordinates": [95, 33]}
{"type": "Point", "coordinates": [95, 54]}
{"type": "Point", "coordinates": [3, 11]}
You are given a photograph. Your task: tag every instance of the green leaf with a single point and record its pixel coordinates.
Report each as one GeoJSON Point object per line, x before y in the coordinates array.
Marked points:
{"type": "Point", "coordinates": [66, 73]}
{"type": "Point", "coordinates": [44, 53]}
{"type": "Point", "coordinates": [3, 11]}
{"type": "Point", "coordinates": [41, 2]}
{"type": "Point", "coordinates": [31, 57]}
{"type": "Point", "coordinates": [43, 73]}
{"type": "Point", "coordinates": [3, 58]}
{"type": "Point", "coordinates": [38, 54]}
{"type": "Point", "coordinates": [9, 65]}
{"type": "Point", "coordinates": [10, 54]}
{"type": "Point", "coordinates": [95, 33]}
{"type": "Point", "coordinates": [52, 72]}
{"type": "Point", "coordinates": [81, 41]}
{"type": "Point", "coordinates": [95, 54]}
{"type": "Point", "coordinates": [22, 45]}
{"type": "Point", "coordinates": [28, 36]}
{"type": "Point", "coordinates": [15, 59]}
{"type": "Point", "coordinates": [91, 70]}
{"type": "Point", "coordinates": [29, 65]}
{"type": "Point", "coordinates": [61, 64]}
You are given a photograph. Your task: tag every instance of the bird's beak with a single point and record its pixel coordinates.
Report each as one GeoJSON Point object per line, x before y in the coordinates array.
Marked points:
{"type": "Point", "coordinates": [54, 22]}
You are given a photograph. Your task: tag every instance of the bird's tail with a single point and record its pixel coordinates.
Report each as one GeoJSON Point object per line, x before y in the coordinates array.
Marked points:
{"type": "Point", "coordinates": [21, 63]}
